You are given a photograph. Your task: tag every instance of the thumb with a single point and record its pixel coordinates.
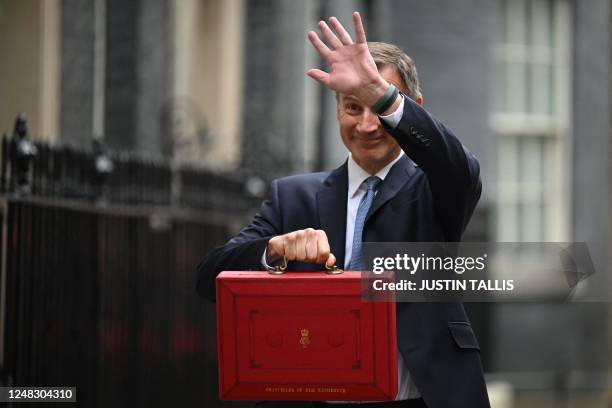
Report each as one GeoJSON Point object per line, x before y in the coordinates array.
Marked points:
{"type": "Point", "coordinates": [331, 260]}
{"type": "Point", "coordinates": [318, 75]}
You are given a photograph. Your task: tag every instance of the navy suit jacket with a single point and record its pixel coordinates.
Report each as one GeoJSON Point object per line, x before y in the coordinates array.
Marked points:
{"type": "Point", "coordinates": [428, 196]}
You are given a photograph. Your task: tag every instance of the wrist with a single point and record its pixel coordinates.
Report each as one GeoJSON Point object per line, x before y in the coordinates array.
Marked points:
{"type": "Point", "coordinates": [373, 91]}
{"type": "Point", "coordinates": [393, 106]}
{"type": "Point", "coordinates": [386, 101]}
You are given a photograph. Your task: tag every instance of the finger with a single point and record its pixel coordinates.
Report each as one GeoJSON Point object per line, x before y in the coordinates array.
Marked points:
{"type": "Point", "coordinates": [339, 29]}
{"type": "Point", "coordinates": [322, 248]}
{"type": "Point", "coordinates": [318, 75]}
{"type": "Point", "coordinates": [329, 35]}
{"type": "Point", "coordinates": [311, 245]}
{"type": "Point", "coordinates": [300, 246]}
{"type": "Point", "coordinates": [319, 45]}
{"type": "Point", "coordinates": [312, 250]}
{"type": "Point", "coordinates": [277, 247]}
{"type": "Point", "coordinates": [360, 36]}
{"type": "Point", "coordinates": [331, 260]}
{"type": "Point", "coordinates": [289, 247]}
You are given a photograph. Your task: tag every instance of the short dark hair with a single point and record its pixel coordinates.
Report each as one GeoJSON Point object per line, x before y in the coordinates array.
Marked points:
{"type": "Point", "coordinates": [389, 55]}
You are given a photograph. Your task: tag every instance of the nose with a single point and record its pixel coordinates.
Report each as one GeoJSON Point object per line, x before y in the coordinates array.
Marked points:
{"type": "Point", "coordinates": [369, 122]}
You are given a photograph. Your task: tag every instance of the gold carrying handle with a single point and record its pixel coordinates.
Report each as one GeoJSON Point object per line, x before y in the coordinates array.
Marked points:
{"type": "Point", "coordinates": [281, 269]}
{"type": "Point", "coordinates": [333, 270]}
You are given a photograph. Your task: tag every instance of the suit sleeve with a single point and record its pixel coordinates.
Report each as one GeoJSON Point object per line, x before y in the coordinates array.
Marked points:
{"type": "Point", "coordinates": [244, 251]}
{"type": "Point", "coordinates": [452, 171]}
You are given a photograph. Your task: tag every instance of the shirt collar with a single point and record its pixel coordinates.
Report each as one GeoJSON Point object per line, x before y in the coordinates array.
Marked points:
{"type": "Point", "coordinates": [357, 175]}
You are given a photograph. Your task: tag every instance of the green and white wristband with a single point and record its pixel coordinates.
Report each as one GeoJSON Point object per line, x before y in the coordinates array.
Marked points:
{"type": "Point", "coordinates": [386, 100]}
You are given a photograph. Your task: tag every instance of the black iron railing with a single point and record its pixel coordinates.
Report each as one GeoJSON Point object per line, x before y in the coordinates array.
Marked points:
{"type": "Point", "coordinates": [98, 257]}
{"type": "Point", "coordinates": [66, 172]}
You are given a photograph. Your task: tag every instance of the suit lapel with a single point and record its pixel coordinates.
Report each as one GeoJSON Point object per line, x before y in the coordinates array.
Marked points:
{"type": "Point", "coordinates": [331, 203]}
{"type": "Point", "coordinates": [398, 176]}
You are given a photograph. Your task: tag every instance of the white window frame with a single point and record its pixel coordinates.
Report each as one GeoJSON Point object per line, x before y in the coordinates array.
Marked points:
{"type": "Point", "coordinates": [557, 126]}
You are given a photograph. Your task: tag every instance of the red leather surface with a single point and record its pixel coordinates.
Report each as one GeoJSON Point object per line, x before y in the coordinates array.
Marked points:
{"type": "Point", "coordinates": [303, 336]}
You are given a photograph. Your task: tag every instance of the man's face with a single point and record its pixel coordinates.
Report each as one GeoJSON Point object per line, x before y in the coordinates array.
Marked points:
{"type": "Point", "coordinates": [362, 133]}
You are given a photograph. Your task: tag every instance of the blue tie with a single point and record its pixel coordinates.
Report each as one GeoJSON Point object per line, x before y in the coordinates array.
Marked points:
{"type": "Point", "coordinates": [356, 263]}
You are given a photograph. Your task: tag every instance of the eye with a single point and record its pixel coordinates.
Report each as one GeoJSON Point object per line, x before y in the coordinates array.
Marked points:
{"type": "Point", "coordinates": [352, 108]}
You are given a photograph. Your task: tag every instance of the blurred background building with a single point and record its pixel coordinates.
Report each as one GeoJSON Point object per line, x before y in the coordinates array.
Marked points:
{"type": "Point", "coordinates": [217, 88]}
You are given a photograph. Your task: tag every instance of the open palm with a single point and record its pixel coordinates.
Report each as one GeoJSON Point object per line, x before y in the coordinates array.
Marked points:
{"type": "Point", "coordinates": [353, 70]}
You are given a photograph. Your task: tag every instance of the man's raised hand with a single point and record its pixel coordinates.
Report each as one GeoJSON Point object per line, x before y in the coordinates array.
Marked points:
{"type": "Point", "coordinates": [353, 71]}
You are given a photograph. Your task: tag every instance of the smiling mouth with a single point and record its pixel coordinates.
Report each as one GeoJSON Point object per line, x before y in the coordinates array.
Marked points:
{"type": "Point", "coordinates": [371, 140]}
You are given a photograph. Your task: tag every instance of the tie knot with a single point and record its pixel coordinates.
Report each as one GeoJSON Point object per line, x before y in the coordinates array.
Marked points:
{"type": "Point", "coordinates": [372, 182]}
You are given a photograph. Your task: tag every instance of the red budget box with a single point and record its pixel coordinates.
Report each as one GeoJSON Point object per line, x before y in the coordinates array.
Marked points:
{"type": "Point", "coordinates": [303, 336]}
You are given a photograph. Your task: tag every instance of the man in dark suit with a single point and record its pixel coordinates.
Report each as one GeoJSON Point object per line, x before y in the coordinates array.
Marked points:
{"type": "Point", "coordinates": [407, 179]}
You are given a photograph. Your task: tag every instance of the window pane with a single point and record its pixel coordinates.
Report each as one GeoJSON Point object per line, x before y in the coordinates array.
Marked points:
{"type": "Point", "coordinates": [516, 82]}
{"type": "Point", "coordinates": [507, 223]}
{"type": "Point", "coordinates": [530, 222]}
{"type": "Point", "coordinates": [531, 186]}
{"type": "Point", "coordinates": [531, 161]}
{"type": "Point", "coordinates": [540, 87]}
{"type": "Point", "coordinates": [541, 23]}
{"type": "Point", "coordinates": [516, 24]}
{"type": "Point", "coordinates": [500, 90]}
{"type": "Point", "coordinates": [508, 160]}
